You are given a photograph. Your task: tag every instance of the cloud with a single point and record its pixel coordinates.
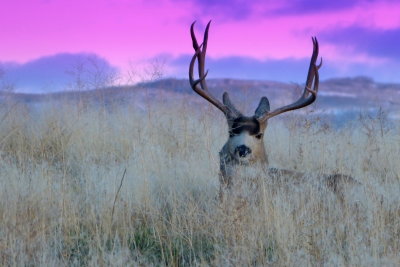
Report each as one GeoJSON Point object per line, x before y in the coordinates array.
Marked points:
{"type": "Point", "coordinates": [59, 72]}
{"type": "Point", "coordinates": [286, 70]}
{"type": "Point", "coordinates": [283, 70]}
{"type": "Point", "coordinates": [312, 6]}
{"type": "Point", "coordinates": [227, 9]}
{"type": "Point", "coordinates": [241, 9]}
{"type": "Point", "coordinates": [374, 42]}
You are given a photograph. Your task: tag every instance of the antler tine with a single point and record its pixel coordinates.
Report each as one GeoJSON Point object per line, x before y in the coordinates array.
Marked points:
{"type": "Point", "coordinates": [194, 40]}
{"type": "Point", "coordinates": [309, 95]}
{"type": "Point", "coordinates": [201, 57]}
{"type": "Point", "coordinates": [311, 71]}
{"type": "Point", "coordinates": [200, 54]}
{"type": "Point", "coordinates": [202, 91]}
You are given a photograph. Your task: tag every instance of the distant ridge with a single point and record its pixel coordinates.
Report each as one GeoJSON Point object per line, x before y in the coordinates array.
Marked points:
{"type": "Point", "coordinates": [335, 95]}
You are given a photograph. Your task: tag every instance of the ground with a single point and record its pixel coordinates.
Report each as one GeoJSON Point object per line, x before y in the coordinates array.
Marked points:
{"type": "Point", "coordinates": [115, 185]}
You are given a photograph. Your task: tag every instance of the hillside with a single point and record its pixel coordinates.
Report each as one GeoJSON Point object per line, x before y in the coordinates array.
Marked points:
{"type": "Point", "coordinates": [342, 97]}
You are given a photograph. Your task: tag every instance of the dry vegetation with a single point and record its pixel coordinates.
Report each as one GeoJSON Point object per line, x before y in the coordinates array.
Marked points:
{"type": "Point", "coordinates": [116, 186]}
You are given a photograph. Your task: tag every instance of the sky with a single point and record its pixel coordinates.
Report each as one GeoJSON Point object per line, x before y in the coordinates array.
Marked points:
{"type": "Point", "coordinates": [43, 42]}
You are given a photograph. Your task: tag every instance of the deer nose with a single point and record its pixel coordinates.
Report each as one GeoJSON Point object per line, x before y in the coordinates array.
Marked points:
{"type": "Point", "coordinates": [243, 151]}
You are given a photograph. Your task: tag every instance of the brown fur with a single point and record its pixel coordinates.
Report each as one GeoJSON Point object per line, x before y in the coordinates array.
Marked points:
{"type": "Point", "coordinates": [245, 146]}
{"type": "Point", "coordinates": [231, 163]}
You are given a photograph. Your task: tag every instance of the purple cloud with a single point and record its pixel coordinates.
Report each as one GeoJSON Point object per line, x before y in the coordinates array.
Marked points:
{"type": "Point", "coordinates": [285, 70]}
{"type": "Point", "coordinates": [59, 72]}
{"type": "Point", "coordinates": [227, 9]}
{"type": "Point", "coordinates": [377, 43]}
{"type": "Point", "coordinates": [312, 6]}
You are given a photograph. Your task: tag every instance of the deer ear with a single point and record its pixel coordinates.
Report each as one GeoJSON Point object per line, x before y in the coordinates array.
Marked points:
{"type": "Point", "coordinates": [263, 107]}
{"type": "Point", "coordinates": [227, 102]}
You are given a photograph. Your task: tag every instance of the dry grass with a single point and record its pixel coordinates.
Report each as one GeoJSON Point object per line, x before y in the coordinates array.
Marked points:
{"type": "Point", "coordinates": [62, 166]}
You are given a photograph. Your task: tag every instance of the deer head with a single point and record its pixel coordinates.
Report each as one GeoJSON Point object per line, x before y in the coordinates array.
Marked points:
{"type": "Point", "coordinates": [245, 144]}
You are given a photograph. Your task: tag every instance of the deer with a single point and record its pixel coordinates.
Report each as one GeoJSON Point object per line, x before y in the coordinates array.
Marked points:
{"type": "Point", "coordinates": [245, 145]}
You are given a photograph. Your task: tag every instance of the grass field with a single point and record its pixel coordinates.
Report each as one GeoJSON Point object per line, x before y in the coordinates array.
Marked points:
{"type": "Point", "coordinates": [116, 186]}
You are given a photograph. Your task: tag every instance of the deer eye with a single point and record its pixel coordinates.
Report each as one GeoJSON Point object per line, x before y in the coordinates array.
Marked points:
{"type": "Point", "coordinates": [259, 136]}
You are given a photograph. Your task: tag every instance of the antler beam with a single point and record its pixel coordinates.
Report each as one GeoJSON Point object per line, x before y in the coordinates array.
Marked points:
{"type": "Point", "coordinates": [200, 85]}
{"type": "Point", "coordinates": [309, 95]}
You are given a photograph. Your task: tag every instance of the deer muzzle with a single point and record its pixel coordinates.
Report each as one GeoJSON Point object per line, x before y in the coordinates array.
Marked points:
{"type": "Point", "coordinates": [242, 151]}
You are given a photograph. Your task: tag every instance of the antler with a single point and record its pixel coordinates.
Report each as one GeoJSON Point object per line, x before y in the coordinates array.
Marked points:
{"type": "Point", "coordinates": [200, 85]}
{"type": "Point", "coordinates": [309, 95]}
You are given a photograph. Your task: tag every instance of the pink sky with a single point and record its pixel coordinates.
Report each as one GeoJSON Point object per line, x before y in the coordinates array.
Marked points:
{"type": "Point", "coordinates": [127, 32]}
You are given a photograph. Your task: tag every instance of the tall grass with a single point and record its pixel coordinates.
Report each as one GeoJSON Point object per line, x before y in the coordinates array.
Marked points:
{"type": "Point", "coordinates": [66, 199]}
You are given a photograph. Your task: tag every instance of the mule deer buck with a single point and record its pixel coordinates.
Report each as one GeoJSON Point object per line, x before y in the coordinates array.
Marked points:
{"type": "Point", "coordinates": [245, 145]}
